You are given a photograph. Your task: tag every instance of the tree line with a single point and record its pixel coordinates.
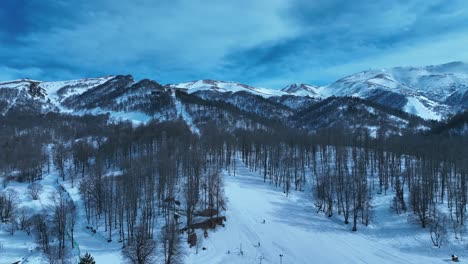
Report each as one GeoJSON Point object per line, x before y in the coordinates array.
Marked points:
{"type": "Point", "coordinates": [147, 186]}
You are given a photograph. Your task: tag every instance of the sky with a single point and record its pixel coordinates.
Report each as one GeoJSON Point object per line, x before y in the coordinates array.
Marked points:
{"type": "Point", "coordinates": [268, 43]}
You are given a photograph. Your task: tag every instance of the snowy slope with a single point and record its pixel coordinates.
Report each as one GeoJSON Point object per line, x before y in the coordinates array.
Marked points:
{"type": "Point", "coordinates": [300, 89]}
{"type": "Point", "coordinates": [24, 93]}
{"type": "Point", "coordinates": [436, 82]}
{"type": "Point", "coordinates": [119, 96]}
{"type": "Point", "coordinates": [431, 92]}
{"type": "Point", "coordinates": [182, 112]}
{"type": "Point", "coordinates": [293, 229]}
{"type": "Point", "coordinates": [60, 90]}
{"type": "Point", "coordinates": [23, 248]}
{"type": "Point", "coordinates": [416, 107]}
{"type": "Point", "coordinates": [426, 89]}
{"type": "Point", "coordinates": [224, 87]}
{"type": "Point", "coordinates": [44, 96]}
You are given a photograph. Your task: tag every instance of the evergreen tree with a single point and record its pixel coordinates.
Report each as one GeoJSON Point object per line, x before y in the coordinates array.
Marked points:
{"type": "Point", "coordinates": [87, 259]}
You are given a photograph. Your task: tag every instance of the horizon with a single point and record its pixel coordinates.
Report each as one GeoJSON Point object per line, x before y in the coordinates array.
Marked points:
{"type": "Point", "coordinates": [262, 43]}
{"type": "Point", "coordinates": [228, 81]}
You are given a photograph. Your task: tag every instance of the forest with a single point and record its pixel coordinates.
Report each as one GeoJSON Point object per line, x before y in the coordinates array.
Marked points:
{"type": "Point", "coordinates": [154, 186]}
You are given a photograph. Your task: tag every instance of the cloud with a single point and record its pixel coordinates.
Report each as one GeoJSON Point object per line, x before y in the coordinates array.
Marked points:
{"type": "Point", "coordinates": [167, 36]}
{"type": "Point", "coordinates": [339, 38]}
{"type": "Point", "coordinates": [263, 42]}
{"type": "Point", "coordinates": [7, 73]}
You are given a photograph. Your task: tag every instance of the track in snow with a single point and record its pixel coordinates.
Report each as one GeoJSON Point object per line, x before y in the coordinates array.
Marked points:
{"type": "Point", "coordinates": [294, 230]}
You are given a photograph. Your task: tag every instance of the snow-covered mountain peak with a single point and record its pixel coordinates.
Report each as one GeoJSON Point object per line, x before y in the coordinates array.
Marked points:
{"type": "Point", "coordinates": [433, 78]}
{"type": "Point", "coordinates": [19, 83]}
{"type": "Point", "coordinates": [225, 87]}
{"type": "Point", "coordinates": [27, 86]}
{"type": "Point", "coordinates": [431, 92]}
{"type": "Point", "coordinates": [60, 90]}
{"type": "Point", "coordinates": [455, 67]}
{"type": "Point", "coordinates": [301, 89]}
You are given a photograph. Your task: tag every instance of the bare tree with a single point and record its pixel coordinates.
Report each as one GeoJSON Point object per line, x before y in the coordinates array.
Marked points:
{"type": "Point", "coordinates": [60, 214]}
{"type": "Point", "coordinates": [60, 156]}
{"type": "Point", "coordinates": [42, 231]}
{"type": "Point", "coordinates": [9, 201]}
{"type": "Point", "coordinates": [171, 243]}
{"type": "Point", "coordinates": [35, 190]}
{"type": "Point", "coordinates": [438, 229]}
{"type": "Point", "coordinates": [140, 249]}
{"type": "Point", "coordinates": [12, 225]}
{"type": "Point", "coordinates": [24, 219]}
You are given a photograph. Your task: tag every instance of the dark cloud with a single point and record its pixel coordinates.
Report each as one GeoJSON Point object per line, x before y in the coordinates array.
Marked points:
{"type": "Point", "coordinates": [263, 42]}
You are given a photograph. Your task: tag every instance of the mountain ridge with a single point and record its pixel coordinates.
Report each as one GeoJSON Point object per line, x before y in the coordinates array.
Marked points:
{"type": "Point", "coordinates": [431, 92]}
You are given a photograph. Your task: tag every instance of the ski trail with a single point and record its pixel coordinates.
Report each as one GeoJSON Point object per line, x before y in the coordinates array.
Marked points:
{"type": "Point", "coordinates": [182, 112]}
{"type": "Point", "coordinates": [293, 229]}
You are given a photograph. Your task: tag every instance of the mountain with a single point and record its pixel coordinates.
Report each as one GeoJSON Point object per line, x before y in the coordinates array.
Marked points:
{"type": "Point", "coordinates": [37, 96]}
{"type": "Point", "coordinates": [456, 125]}
{"type": "Point", "coordinates": [389, 98]}
{"type": "Point", "coordinates": [25, 94]}
{"type": "Point", "coordinates": [431, 92]}
{"type": "Point", "coordinates": [300, 89]}
{"type": "Point", "coordinates": [59, 91]}
{"type": "Point", "coordinates": [290, 97]}
{"type": "Point", "coordinates": [121, 96]}
{"type": "Point", "coordinates": [357, 114]}
{"type": "Point", "coordinates": [224, 87]}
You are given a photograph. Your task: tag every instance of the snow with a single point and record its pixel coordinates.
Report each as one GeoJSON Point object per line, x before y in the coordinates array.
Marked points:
{"type": "Point", "coordinates": [21, 247]}
{"type": "Point", "coordinates": [74, 87]}
{"type": "Point", "coordinates": [14, 84]}
{"type": "Point", "coordinates": [293, 229]}
{"type": "Point", "coordinates": [300, 89]}
{"type": "Point", "coordinates": [414, 106]}
{"type": "Point", "coordinates": [13, 247]}
{"type": "Point", "coordinates": [224, 87]}
{"type": "Point", "coordinates": [86, 241]}
{"type": "Point", "coordinates": [134, 117]}
{"type": "Point", "coordinates": [77, 86]}
{"type": "Point", "coordinates": [182, 112]}
{"type": "Point", "coordinates": [373, 131]}
{"type": "Point", "coordinates": [431, 85]}
{"type": "Point", "coordinates": [389, 83]}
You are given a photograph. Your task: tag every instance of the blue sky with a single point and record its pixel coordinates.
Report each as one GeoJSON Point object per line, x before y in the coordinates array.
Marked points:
{"type": "Point", "coordinates": [268, 43]}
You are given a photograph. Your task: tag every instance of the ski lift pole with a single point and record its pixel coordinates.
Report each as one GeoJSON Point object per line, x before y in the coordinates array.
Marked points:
{"type": "Point", "coordinates": [281, 258]}
{"type": "Point", "coordinates": [261, 258]}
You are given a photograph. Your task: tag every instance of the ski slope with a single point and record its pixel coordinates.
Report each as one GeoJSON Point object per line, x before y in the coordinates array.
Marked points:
{"type": "Point", "coordinates": [182, 112]}
{"type": "Point", "coordinates": [293, 228]}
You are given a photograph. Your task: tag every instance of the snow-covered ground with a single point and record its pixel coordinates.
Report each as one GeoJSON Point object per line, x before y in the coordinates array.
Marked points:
{"type": "Point", "coordinates": [134, 117]}
{"type": "Point", "coordinates": [21, 247]}
{"type": "Point", "coordinates": [293, 228]}
{"type": "Point", "coordinates": [86, 241]}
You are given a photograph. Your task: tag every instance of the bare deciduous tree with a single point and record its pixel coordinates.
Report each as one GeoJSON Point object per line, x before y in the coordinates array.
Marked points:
{"type": "Point", "coordinates": [35, 190]}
